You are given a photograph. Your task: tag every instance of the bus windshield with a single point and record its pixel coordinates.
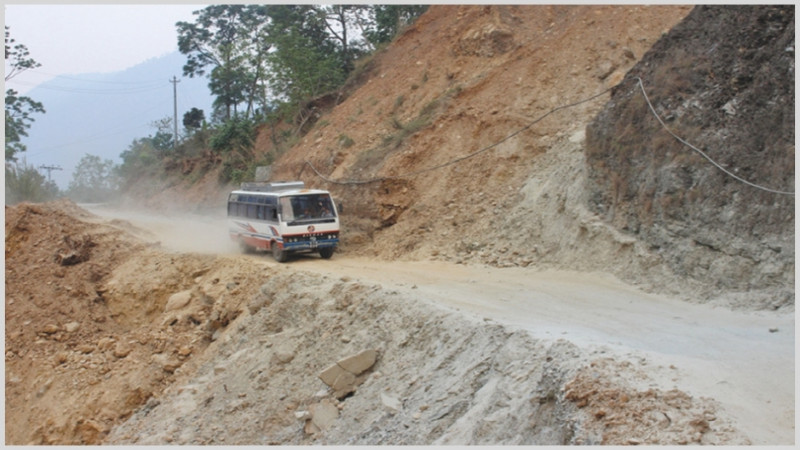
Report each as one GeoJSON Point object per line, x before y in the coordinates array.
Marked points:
{"type": "Point", "coordinates": [307, 207]}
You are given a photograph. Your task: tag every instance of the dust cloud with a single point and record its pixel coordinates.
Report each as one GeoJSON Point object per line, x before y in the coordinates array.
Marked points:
{"type": "Point", "coordinates": [182, 232]}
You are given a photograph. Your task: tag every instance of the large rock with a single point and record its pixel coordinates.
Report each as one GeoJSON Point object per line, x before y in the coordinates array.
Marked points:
{"type": "Point", "coordinates": [360, 362]}
{"type": "Point", "coordinates": [342, 377]}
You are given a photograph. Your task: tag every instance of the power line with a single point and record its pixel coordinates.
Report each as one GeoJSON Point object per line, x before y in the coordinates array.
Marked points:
{"type": "Point", "coordinates": [49, 169]}
{"type": "Point", "coordinates": [716, 164]}
{"type": "Point", "coordinates": [489, 147]}
{"type": "Point", "coordinates": [110, 91]}
{"type": "Point", "coordinates": [66, 77]}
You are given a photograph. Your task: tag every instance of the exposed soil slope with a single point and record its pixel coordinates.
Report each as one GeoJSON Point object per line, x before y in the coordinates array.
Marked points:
{"type": "Point", "coordinates": [462, 79]}
{"type": "Point", "coordinates": [733, 97]}
{"type": "Point", "coordinates": [89, 332]}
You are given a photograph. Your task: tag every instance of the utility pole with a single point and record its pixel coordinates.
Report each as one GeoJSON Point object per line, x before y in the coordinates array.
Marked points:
{"type": "Point", "coordinates": [175, 82]}
{"type": "Point", "coordinates": [49, 169]}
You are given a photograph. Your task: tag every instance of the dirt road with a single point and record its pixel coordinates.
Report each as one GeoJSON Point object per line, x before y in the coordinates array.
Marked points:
{"type": "Point", "coordinates": [743, 360]}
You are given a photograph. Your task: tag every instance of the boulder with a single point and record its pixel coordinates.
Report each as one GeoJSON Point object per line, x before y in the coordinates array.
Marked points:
{"type": "Point", "coordinates": [178, 300]}
{"type": "Point", "coordinates": [358, 363]}
{"type": "Point", "coordinates": [342, 376]}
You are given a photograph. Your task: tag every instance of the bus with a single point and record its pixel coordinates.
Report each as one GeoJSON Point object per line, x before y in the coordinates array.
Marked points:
{"type": "Point", "coordinates": [284, 218]}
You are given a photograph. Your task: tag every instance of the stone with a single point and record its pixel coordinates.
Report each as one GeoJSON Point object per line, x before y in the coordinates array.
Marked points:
{"type": "Point", "coordinates": [167, 364]}
{"type": "Point", "coordinates": [105, 343]}
{"type": "Point", "coordinates": [284, 357]}
{"type": "Point", "coordinates": [390, 402]}
{"type": "Point", "coordinates": [628, 53]}
{"type": "Point", "coordinates": [121, 350]}
{"type": "Point", "coordinates": [323, 414]}
{"type": "Point", "coordinates": [72, 327]}
{"type": "Point", "coordinates": [50, 328]}
{"type": "Point", "coordinates": [85, 348]}
{"type": "Point", "coordinates": [310, 428]}
{"type": "Point", "coordinates": [344, 384]}
{"type": "Point", "coordinates": [360, 362]}
{"type": "Point", "coordinates": [178, 300]}
{"type": "Point", "coordinates": [329, 375]}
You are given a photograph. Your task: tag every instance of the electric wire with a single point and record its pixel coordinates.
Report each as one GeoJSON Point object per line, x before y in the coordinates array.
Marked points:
{"type": "Point", "coordinates": [529, 125]}
{"type": "Point", "coordinates": [716, 164]}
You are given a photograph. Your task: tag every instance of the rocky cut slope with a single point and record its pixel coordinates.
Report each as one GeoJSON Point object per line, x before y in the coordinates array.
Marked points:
{"type": "Point", "coordinates": [723, 80]}
{"type": "Point", "coordinates": [448, 151]}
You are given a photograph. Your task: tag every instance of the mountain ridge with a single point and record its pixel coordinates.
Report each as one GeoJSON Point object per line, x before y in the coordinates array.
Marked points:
{"type": "Point", "coordinates": [102, 113]}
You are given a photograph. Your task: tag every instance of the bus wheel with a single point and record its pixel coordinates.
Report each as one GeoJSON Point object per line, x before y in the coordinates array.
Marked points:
{"type": "Point", "coordinates": [326, 252]}
{"type": "Point", "coordinates": [278, 253]}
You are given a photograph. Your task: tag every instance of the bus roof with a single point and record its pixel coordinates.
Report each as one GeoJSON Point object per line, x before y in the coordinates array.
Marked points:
{"type": "Point", "coordinates": [282, 193]}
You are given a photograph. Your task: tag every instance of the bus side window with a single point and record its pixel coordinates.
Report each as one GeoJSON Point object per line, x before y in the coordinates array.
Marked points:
{"type": "Point", "coordinates": [260, 212]}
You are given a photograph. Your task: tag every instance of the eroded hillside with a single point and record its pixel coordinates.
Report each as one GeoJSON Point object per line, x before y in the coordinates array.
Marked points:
{"type": "Point", "coordinates": [732, 97]}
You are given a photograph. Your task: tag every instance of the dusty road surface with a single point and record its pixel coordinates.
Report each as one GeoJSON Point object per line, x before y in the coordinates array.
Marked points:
{"type": "Point", "coordinates": [742, 360]}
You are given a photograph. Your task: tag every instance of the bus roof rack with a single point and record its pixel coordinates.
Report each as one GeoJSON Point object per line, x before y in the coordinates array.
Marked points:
{"type": "Point", "coordinates": [274, 186]}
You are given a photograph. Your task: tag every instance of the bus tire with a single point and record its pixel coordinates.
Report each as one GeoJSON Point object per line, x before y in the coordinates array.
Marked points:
{"type": "Point", "coordinates": [278, 253]}
{"type": "Point", "coordinates": [326, 252]}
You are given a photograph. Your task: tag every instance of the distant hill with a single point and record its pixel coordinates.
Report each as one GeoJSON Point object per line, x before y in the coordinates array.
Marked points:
{"type": "Point", "coordinates": [101, 114]}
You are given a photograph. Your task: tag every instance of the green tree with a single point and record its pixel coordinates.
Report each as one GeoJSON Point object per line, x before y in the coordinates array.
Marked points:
{"type": "Point", "coordinates": [25, 184]}
{"type": "Point", "coordinates": [164, 139]}
{"type": "Point", "coordinates": [194, 119]}
{"type": "Point", "coordinates": [94, 180]}
{"type": "Point", "coordinates": [388, 20]}
{"type": "Point", "coordinates": [232, 41]}
{"type": "Point", "coordinates": [341, 21]}
{"type": "Point", "coordinates": [306, 61]}
{"type": "Point", "coordinates": [19, 109]}
{"type": "Point", "coordinates": [140, 159]}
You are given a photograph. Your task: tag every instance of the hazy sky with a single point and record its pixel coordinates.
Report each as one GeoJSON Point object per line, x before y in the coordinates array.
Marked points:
{"type": "Point", "coordinates": [99, 38]}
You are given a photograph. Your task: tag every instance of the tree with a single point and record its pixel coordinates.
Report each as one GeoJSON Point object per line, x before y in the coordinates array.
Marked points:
{"type": "Point", "coordinates": [194, 119]}
{"type": "Point", "coordinates": [94, 180]}
{"type": "Point", "coordinates": [19, 56]}
{"type": "Point", "coordinates": [19, 109]}
{"type": "Point", "coordinates": [388, 20]}
{"type": "Point", "coordinates": [340, 20]}
{"type": "Point", "coordinates": [164, 137]}
{"type": "Point", "coordinates": [25, 184]}
{"type": "Point", "coordinates": [140, 157]}
{"type": "Point", "coordinates": [232, 40]}
{"type": "Point", "coordinates": [306, 61]}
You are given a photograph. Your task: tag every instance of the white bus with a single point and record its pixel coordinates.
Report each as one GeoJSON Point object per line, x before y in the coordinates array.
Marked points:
{"type": "Point", "coordinates": [283, 217]}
